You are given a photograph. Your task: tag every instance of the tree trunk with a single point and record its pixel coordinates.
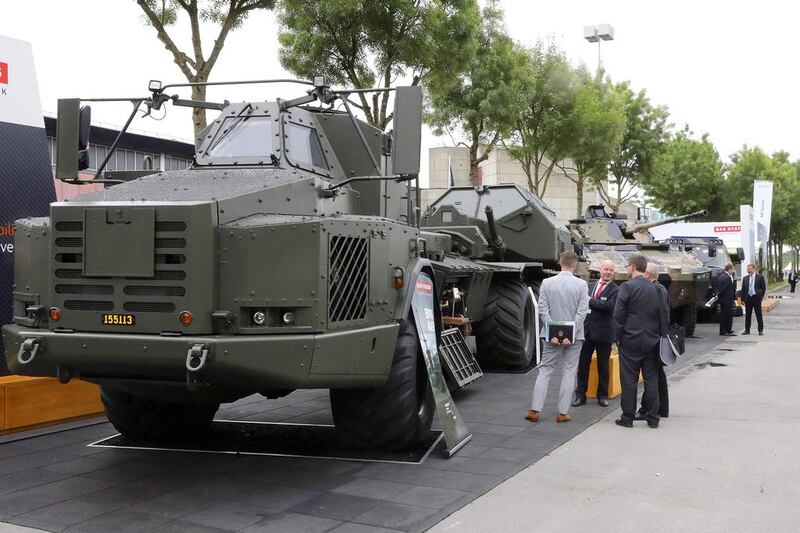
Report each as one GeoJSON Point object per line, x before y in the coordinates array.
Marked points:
{"type": "Point", "coordinates": [473, 164]}
{"type": "Point", "coordinates": [579, 194]}
{"type": "Point", "coordinates": [198, 115]}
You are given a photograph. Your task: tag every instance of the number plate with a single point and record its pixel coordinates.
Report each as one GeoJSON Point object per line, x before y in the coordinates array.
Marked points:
{"type": "Point", "coordinates": [111, 319]}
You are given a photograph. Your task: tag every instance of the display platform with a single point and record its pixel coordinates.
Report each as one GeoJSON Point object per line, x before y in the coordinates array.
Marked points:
{"type": "Point", "coordinates": [281, 439]}
{"type": "Point", "coordinates": [27, 402]}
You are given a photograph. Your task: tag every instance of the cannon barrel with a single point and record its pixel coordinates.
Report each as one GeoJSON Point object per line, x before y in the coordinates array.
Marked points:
{"type": "Point", "coordinates": [495, 240]}
{"type": "Point", "coordinates": [630, 230]}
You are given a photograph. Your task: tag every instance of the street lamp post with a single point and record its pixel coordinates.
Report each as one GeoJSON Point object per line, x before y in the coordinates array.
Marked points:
{"type": "Point", "coordinates": [597, 34]}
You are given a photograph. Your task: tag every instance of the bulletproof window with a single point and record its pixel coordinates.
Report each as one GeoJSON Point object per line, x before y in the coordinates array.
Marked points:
{"type": "Point", "coordinates": [304, 146]}
{"type": "Point", "coordinates": [243, 137]}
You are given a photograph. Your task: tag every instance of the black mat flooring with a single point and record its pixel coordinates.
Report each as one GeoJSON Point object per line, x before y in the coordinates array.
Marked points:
{"type": "Point", "coordinates": [276, 438]}
{"type": "Point", "coordinates": [57, 482]}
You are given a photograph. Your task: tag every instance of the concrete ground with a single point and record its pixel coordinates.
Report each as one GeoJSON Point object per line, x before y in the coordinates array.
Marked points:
{"type": "Point", "coordinates": [725, 460]}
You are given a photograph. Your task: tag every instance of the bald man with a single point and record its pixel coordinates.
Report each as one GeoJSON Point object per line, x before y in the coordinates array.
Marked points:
{"type": "Point", "coordinates": [663, 394]}
{"type": "Point", "coordinates": [598, 332]}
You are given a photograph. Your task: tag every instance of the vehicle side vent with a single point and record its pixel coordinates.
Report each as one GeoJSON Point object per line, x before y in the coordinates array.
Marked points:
{"type": "Point", "coordinates": [84, 289]}
{"type": "Point", "coordinates": [69, 258]}
{"type": "Point", "coordinates": [88, 305]}
{"type": "Point", "coordinates": [171, 243]}
{"type": "Point", "coordinates": [170, 226]}
{"type": "Point", "coordinates": [69, 273]}
{"type": "Point", "coordinates": [69, 242]}
{"type": "Point", "coordinates": [69, 226]}
{"type": "Point", "coordinates": [153, 290]}
{"type": "Point", "coordinates": [169, 275]}
{"type": "Point", "coordinates": [348, 278]}
{"type": "Point", "coordinates": [149, 307]}
{"type": "Point", "coordinates": [170, 259]}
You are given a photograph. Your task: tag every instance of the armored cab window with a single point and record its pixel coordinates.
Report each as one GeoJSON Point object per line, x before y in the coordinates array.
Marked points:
{"type": "Point", "coordinates": [304, 146]}
{"type": "Point", "coordinates": [243, 137]}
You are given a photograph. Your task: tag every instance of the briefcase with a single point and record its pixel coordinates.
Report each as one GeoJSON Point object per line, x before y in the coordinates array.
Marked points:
{"type": "Point", "coordinates": [561, 330]}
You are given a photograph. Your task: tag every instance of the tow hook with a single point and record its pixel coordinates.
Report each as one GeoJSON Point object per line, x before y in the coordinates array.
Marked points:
{"type": "Point", "coordinates": [28, 350]}
{"type": "Point", "coordinates": [196, 359]}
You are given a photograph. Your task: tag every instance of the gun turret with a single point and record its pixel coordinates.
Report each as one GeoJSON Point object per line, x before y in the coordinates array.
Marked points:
{"type": "Point", "coordinates": [630, 230]}
{"type": "Point", "coordinates": [495, 240]}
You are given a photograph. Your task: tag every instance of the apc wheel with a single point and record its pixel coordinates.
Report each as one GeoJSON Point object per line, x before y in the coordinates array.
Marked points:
{"type": "Point", "coordinates": [506, 335]}
{"type": "Point", "coordinates": [689, 319]}
{"type": "Point", "coordinates": [396, 415]}
{"type": "Point", "coordinates": [140, 418]}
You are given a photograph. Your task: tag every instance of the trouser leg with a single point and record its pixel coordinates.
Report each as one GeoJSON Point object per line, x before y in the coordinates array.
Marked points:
{"type": "Point", "coordinates": [584, 365]}
{"type": "Point", "coordinates": [748, 309]}
{"type": "Point", "coordinates": [603, 356]}
{"type": "Point", "coordinates": [723, 319]}
{"type": "Point", "coordinates": [629, 377]}
{"type": "Point", "coordinates": [759, 315]}
{"type": "Point", "coordinates": [569, 366]}
{"type": "Point", "coordinates": [550, 356]}
{"type": "Point", "coordinates": [648, 364]}
{"type": "Point", "coordinates": [663, 391]}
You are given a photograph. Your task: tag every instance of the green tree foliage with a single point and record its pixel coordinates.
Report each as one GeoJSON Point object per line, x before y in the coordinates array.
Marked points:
{"type": "Point", "coordinates": [750, 164]}
{"type": "Point", "coordinates": [370, 43]}
{"type": "Point", "coordinates": [687, 176]}
{"type": "Point", "coordinates": [483, 103]}
{"type": "Point", "coordinates": [643, 140]}
{"type": "Point", "coordinates": [538, 136]}
{"type": "Point", "coordinates": [195, 65]}
{"type": "Point", "coordinates": [596, 126]}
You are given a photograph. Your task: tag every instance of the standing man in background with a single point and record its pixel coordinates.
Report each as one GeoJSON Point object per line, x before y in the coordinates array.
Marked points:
{"type": "Point", "coordinates": [726, 290]}
{"type": "Point", "coordinates": [753, 290]}
{"type": "Point", "coordinates": [637, 331]}
{"type": "Point", "coordinates": [792, 280]}
{"type": "Point", "coordinates": [562, 298]}
{"type": "Point", "coordinates": [663, 393]}
{"type": "Point", "coordinates": [598, 332]}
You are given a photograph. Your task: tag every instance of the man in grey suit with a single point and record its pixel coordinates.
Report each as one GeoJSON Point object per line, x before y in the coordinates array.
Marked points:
{"type": "Point", "coordinates": [562, 298]}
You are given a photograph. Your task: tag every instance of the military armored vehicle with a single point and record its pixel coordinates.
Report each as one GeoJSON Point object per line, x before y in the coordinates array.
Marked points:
{"type": "Point", "coordinates": [285, 257]}
{"type": "Point", "coordinates": [712, 252]}
{"type": "Point", "coordinates": [604, 236]}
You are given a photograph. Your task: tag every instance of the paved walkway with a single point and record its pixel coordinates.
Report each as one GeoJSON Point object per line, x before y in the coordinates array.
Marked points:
{"type": "Point", "coordinates": [725, 460]}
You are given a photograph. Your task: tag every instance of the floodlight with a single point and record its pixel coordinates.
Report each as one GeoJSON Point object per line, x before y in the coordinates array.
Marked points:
{"type": "Point", "coordinates": [154, 85]}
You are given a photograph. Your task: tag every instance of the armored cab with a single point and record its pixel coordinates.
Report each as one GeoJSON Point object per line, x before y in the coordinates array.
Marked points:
{"type": "Point", "coordinates": [602, 236]}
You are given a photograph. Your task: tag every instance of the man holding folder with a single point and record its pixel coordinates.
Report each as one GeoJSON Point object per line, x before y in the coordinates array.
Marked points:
{"type": "Point", "coordinates": [563, 304]}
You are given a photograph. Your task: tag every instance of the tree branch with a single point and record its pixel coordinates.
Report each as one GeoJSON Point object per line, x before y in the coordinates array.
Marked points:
{"type": "Point", "coordinates": [182, 60]}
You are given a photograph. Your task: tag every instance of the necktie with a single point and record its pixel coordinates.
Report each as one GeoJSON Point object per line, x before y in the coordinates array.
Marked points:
{"type": "Point", "coordinates": [599, 289]}
{"type": "Point", "coordinates": [752, 285]}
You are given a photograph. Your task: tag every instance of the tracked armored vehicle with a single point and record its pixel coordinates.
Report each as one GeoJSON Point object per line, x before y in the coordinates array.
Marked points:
{"type": "Point", "coordinates": [286, 257]}
{"type": "Point", "coordinates": [603, 236]}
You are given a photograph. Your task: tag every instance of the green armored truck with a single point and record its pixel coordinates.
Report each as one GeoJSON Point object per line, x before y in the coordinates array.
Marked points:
{"type": "Point", "coordinates": [607, 236]}
{"type": "Point", "coordinates": [284, 258]}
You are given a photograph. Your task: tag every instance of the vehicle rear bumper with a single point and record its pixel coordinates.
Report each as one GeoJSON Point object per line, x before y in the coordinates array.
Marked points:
{"type": "Point", "coordinates": [347, 359]}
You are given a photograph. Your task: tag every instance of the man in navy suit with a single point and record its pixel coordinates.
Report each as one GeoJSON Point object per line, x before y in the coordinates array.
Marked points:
{"type": "Point", "coordinates": [726, 291]}
{"type": "Point", "coordinates": [753, 289]}
{"type": "Point", "coordinates": [599, 334]}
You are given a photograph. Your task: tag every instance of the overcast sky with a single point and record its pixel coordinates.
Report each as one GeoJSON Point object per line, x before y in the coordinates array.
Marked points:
{"type": "Point", "coordinates": [725, 68]}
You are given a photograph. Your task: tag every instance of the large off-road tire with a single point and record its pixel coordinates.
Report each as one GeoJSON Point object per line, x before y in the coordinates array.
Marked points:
{"type": "Point", "coordinates": [143, 419]}
{"type": "Point", "coordinates": [396, 415]}
{"type": "Point", "coordinates": [506, 334]}
{"type": "Point", "coordinates": [689, 318]}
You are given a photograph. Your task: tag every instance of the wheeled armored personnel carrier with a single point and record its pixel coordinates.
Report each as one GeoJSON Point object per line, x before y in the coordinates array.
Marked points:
{"type": "Point", "coordinates": [603, 236]}
{"type": "Point", "coordinates": [712, 252]}
{"type": "Point", "coordinates": [286, 257]}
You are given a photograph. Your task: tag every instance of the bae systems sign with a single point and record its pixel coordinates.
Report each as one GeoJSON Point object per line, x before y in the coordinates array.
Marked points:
{"type": "Point", "coordinates": [26, 179]}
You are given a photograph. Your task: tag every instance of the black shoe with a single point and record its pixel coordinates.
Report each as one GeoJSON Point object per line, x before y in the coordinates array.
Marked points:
{"type": "Point", "coordinates": [623, 423]}
{"type": "Point", "coordinates": [640, 416]}
{"type": "Point", "coordinates": [761, 333]}
{"type": "Point", "coordinates": [578, 401]}
{"type": "Point", "coordinates": [730, 334]}
{"type": "Point", "coordinates": [746, 332]}
{"type": "Point", "coordinates": [653, 425]}
{"type": "Point", "coordinates": [665, 415]}
{"type": "Point", "coordinates": [603, 402]}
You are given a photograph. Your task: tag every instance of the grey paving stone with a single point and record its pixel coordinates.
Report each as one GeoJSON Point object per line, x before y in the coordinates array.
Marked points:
{"type": "Point", "coordinates": [83, 465]}
{"type": "Point", "coordinates": [395, 516]}
{"type": "Point", "coordinates": [295, 523]}
{"type": "Point", "coordinates": [124, 472]}
{"type": "Point", "coordinates": [175, 504]}
{"type": "Point", "coordinates": [38, 524]}
{"type": "Point", "coordinates": [497, 429]}
{"type": "Point", "coordinates": [373, 488]}
{"type": "Point", "coordinates": [524, 457]}
{"type": "Point", "coordinates": [67, 513]}
{"type": "Point", "coordinates": [431, 478]}
{"type": "Point", "coordinates": [232, 515]}
{"type": "Point", "coordinates": [430, 497]}
{"type": "Point", "coordinates": [179, 526]}
{"type": "Point", "coordinates": [121, 521]}
{"type": "Point", "coordinates": [360, 528]}
{"type": "Point", "coordinates": [278, 497]}
{"type": "Point", "coordinates": [72, 487]}
{"type": "Point", "coordinates": [336, 506]}
{"type": "Point", "coordinates": [21, 502]}
{"type": "Point", "coordinates": [27, 479]}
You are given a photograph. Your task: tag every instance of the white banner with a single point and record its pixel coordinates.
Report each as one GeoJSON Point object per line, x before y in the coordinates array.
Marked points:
{"type": "Point", "coordinates": [762, 203]}
{"type": "Point", "coordinates": [19, 91]}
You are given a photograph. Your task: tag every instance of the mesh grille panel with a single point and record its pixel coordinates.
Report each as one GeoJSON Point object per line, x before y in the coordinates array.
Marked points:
{"type": "Point", "coordinates": [149, 307]}
{"type": "Point", "coordinates": [153, 290]}
{"type": "Point", "coordinates": [170, 226]}
{"type": "Point", "coordinates": [84, 289]}
{"type": "Point", "coordinates": [87, 305]}
{"type": "Point", "coordinates": [69, 242]}
{"type": "Point", "coordinates": [348, 278]}
{"type": "Point", "coordinates": [69, 226]}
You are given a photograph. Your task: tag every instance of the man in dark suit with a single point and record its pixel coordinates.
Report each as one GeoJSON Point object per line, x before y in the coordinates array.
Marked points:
{"type": "Point", "coordinates": [753, 289]}
{"type": "Point", "coordinates": [637, 332]}
{"type": "Point", "coordinates": [598, 335]}
{"type": "Point", "coordinates": [726, 291]}
{"type": "Point", "coordinates": [663, 391]}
